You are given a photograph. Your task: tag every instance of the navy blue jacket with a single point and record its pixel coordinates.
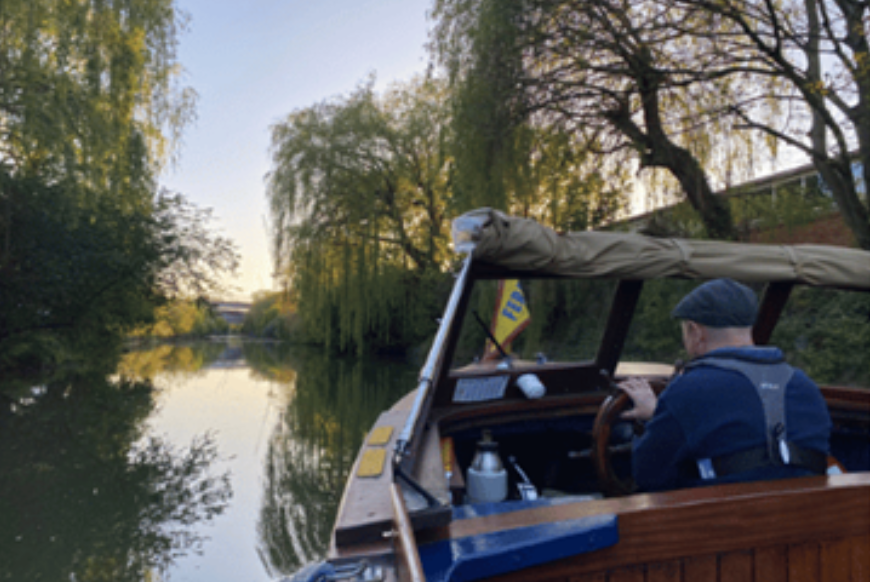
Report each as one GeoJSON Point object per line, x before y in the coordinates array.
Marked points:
{"type": "Point", "coordinates": [709, 412]}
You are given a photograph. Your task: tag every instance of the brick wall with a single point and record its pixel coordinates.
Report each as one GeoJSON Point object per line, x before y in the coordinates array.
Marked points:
{"type": "Point", "coordinates": [830, 230]}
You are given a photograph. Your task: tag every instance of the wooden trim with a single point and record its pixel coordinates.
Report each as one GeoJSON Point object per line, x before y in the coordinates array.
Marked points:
{"type": "Point", "coordinates": [861, 558]}
{"type": "Point", "coordinates": [849, 407]}
{"type": "Point", "coordinates": [506, 411]}
{"type": "Point", "coordinates": [852, 402]}
{"type": "Point", "coordinates": [408, 564]}
{"type": "Point", "coordinates": [847, 397]}
{"type": "Point", "coordinates": [365, 511]}
{"type": "Point", "coordinates": [701, 522]}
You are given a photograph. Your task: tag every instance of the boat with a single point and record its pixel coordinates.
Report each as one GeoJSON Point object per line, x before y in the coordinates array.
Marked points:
{"type": "Point", "coordinates": [415, 507]}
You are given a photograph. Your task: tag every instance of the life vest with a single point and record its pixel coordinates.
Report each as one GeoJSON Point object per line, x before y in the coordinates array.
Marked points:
{"type": "Point", "coordinates": [769, 381]}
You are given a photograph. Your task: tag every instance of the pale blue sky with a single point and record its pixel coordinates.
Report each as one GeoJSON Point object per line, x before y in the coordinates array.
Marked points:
{"type": "Point", "coordinates": [252, 63]}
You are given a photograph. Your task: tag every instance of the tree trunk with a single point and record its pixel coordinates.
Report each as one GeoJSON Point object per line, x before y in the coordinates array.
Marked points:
{"type": "Point", "coordinates": [837, 171]}
{"type": "Point", "coordinates": [657, 150]}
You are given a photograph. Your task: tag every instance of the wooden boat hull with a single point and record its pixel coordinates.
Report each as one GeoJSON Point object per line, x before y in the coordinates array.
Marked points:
{"type": "Point", "coordinates": [814, 528]}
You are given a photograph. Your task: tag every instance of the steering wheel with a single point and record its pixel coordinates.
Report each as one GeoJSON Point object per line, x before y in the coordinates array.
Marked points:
{"type": "Point", "coordinates": [611, 484]}
{"type": "Point", "coordinates": [613, 406]}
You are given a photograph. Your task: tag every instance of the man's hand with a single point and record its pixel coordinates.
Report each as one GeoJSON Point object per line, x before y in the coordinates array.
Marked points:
{"type": "Point", "coordinates": [643, 397]}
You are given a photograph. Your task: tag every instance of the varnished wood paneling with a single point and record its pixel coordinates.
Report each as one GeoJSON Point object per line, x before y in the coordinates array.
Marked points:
{"type": "Point", "coordinates": [803, 562]}
{"type": "Point", "coordinates": [629, 574]}
{"type": "Point", "coordinates": [735, 566]}
{"type": "Point", "coordinates": [701, 569]}
{"type": "Point", "coordinates": [840, 560]}
{"type": "Point", "coordinates": [861, 558]}
{"type": "Point", "coordinates": [665, 572]}
{"type": "Point", "coordinates": [835, 560]}
{"type": "Point", "coordinates": [771, 564]}
{"type": "Point", "coordinates": [657, 528]}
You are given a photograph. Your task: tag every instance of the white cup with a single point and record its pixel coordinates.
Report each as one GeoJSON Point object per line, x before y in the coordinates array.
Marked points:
{"type": "Point", "coordinates": [531, 386]}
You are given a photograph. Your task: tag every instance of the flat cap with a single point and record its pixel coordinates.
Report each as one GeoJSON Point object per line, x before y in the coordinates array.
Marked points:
{"type": "Point", "coordinates": [719, 303]}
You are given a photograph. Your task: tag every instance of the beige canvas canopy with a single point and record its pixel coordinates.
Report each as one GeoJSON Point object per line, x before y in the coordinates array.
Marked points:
{"type": "Point", "coordinates": [519, 244]}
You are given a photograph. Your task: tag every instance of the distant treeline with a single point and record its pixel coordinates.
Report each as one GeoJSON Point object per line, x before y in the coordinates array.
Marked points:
{"type": "Point", "coordinates": [825, 332]}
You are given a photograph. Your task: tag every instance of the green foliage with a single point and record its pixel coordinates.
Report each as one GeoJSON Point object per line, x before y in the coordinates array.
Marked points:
{"type": "Point", "coordinates": [688, 91]}
{"type": "Point", "coordinates": [349, 308]}
{"type": "Point", "coordinates": [570, 318]}
{"type": "Point", "coordinates": [90, 110]}
{"type": "Point", "coordinates": [362, 189]}
{"type": "Point", "coordinates": [89, 92]}
{"type": "Point", "coordinates": [363, 170]}
{"type": "Point", "coordinates": [601, 74]}
{"type": "Point", "coordinates": [507, 156]}
{"type": "Point", "coordinates": [72, 272]}
{"type": "Point", "coordinates": [359, 196]}
{"type": "Point", "coordinates": [827, 333]}
{"type": "Point", "coordinates": [654, 335]}
{"type": "Point", "coordinates": [273, 316]}
{"type": "Point", "coordinates": [487, 123]}
{"type": "Point", "coordinates": [179, 318]}
{"type": "Point", "coordinates": [76, 275]}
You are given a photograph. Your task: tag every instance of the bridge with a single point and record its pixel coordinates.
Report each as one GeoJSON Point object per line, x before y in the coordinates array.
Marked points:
{"type": "Point", "coordinates": [232, 311]}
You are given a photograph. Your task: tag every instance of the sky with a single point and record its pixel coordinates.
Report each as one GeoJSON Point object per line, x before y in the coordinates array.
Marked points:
{"type": "Point", "coordinates": [254, 62]}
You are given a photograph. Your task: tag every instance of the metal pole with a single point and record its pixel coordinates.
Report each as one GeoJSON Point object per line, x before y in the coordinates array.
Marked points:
{"type": "Point", "coordinates": [425, 381]}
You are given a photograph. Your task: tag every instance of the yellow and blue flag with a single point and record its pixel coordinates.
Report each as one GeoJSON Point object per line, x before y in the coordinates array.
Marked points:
{"type": "Point", "coordinates": [511, 316]}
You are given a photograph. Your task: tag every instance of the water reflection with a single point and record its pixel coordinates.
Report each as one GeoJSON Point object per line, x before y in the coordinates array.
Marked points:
{"type": "Point", "coordinates": [175, 360]}
{"type": "Point", "coordinates": [84, 495]}
{"type": "Point", "coordinates": [312, 448]}
{"type": "Point", "coordinates": [210, 461]}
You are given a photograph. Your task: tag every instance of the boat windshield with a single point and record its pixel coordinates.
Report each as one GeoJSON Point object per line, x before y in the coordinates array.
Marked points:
{"type": "Point", "coordinates": [566, 319]}
{"type": "Point", "coordinates": [825, 331]}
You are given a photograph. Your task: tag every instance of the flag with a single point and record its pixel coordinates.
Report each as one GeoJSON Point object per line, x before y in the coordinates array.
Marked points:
{"type": "Point", "coordinates": [511, 316]}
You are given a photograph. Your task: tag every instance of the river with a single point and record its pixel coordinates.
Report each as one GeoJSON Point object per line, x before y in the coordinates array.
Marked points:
{"type": "Point", "coordinates": [215, 461]}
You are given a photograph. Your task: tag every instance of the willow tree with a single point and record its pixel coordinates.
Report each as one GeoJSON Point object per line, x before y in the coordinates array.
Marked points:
{"type": "Point", "coordinates": [90, 92]}
{"type": "Point", "coordinates": [688, 86]}
{"type": "Point", "coordinates": [91, 108]}
{"type": "Point", "coordinates": [606, 72]}
{"type": "Point", "coordinates": [360, 194]}
{"type": "Point", "coordinates": [503, 157]}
